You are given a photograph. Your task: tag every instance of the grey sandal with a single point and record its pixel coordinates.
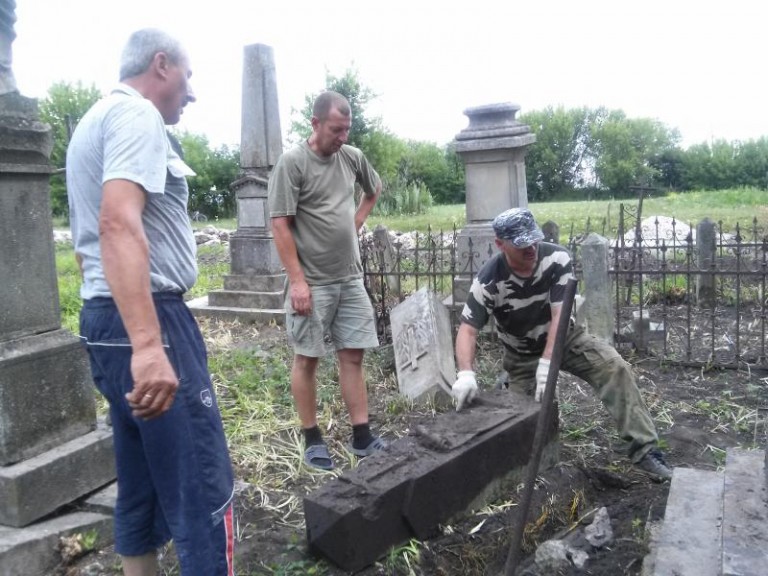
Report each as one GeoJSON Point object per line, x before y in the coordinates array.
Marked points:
{"type": "Point", "coordinates": [376, 445]}
{"type": "Point", "coordinates": [317, 456]}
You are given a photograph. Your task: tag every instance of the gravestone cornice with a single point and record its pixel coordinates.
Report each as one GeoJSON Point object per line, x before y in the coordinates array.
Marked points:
{"type": "Point", "coordinates": [25, 142]}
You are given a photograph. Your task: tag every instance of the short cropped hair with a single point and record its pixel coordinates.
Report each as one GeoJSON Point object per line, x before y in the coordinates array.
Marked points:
{"type": "Point", "coordinates": [327, 101]}
{"type": "Point", "coordinates": [141, 49]}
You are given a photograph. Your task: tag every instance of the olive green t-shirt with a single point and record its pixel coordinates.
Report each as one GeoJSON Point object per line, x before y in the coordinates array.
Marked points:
{"type": "Point", "coordinates": [320, 194]}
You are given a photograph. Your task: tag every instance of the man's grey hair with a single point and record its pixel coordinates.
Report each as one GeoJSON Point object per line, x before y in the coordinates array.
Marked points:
{"type": "Point", "coordinates": [328, 100]}
{"type": "Point", "coordinates": [141, 49]}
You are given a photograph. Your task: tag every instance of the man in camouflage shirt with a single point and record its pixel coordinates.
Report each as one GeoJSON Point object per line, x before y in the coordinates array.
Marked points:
{"type": "Point", "coordinates": [522, 287]}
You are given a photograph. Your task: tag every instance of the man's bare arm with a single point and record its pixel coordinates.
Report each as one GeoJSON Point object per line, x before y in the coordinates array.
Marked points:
{"type": "Point", "coordinates": [364, 208]}
{"type": "Point", "coordinates": [551, 335]}
{"type": "Point", "coordinates": [301, 295]}
{"type": "Point", "coordinates": [125, 258]}
{"type": "Point", "coordinates": [466, 345]}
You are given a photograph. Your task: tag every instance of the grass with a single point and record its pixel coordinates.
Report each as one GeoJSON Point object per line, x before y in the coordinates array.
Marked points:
{"type": "Point", "coordinates": [69, 281]}
{"type": "Point", "coordinates": [733, 206]}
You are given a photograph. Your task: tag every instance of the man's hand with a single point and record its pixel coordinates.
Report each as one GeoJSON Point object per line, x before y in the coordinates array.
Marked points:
{"type": "Point", "coordinates": [301, 298]}
{"type": "Point", "coordinates": [464, 389]}
{"type": "Point", "coordinates": [154, 383]}
{"type": "Point", "coordinates": [542, 371]}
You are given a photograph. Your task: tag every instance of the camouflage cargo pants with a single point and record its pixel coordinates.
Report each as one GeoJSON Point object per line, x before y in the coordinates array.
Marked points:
{"type": "Point", "coordinates": [609, 375]}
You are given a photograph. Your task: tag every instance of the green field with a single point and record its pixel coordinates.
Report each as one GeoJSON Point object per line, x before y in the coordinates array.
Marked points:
{"type": "Point", "coordinates": [742, 205]}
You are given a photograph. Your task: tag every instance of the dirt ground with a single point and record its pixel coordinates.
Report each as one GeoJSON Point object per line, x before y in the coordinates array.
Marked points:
{"type": "Point", "coordinates": [698, 415]}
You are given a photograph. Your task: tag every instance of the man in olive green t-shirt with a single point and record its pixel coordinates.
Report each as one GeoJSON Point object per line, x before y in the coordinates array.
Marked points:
{"type": "Point", "coordinates": [315, 225]}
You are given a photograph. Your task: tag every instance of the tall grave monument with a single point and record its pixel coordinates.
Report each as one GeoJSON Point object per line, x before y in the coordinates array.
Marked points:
{"type": "Point", "coordinates": [493, 149]}
{"type": "Point", "coordinates": [51, 449]}
{"type": "Point", "coordinates": [254, 288]}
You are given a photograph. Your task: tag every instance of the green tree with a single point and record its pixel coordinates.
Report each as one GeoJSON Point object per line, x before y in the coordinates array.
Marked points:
{"type": "Point", "coordinates": [669, 166]}
{"type": "Point", "coordinates": [357, 94]}
{"type": "Point", "coordinates": [562, 158]}
{"type": "Point", "coordinates": [625, 150]}
{"type": "Point", "coordinates": [210, 190]}
{"type": "Point", "coordinates": [437, 168]}
{"type": "Point", "coordinates": [710, 166]}
{"type": "Point", "coordinates": [62, 109]}
{"type": "Point", "coordinates": [751, 163]}
{"type": "Point", "coordinates": [385, 151]}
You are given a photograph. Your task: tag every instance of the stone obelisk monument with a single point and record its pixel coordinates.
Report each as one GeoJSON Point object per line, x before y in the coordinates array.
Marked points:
{"type": "Point", "coordinates": [52, 451]}
{"type": "Point", "coordinates": [254, 288]}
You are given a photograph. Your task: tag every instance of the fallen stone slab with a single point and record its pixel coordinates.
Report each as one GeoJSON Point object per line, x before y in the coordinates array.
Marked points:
{"type": "Point", "coordinates": [745, 514]}
{"type": "Point", "coordinates": [444, 467]}
{"type": "Point", "coordinates": [33, 550]}
{"type": "Point", "coordinates": [689, 541]}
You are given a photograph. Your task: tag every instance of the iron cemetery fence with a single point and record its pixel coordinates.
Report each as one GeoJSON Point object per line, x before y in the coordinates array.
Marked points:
{"type": "Point", "coordinates": [694, 296]}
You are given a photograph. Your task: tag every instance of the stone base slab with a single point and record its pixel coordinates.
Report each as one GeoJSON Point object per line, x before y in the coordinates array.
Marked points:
{"type": "Point", "coordinates": [36, 487]}
{"type": "Point", "coordinates": [46, 394]}
{"type": "Point", "coordinates": [245, 299]}
{"type": "Point", "coordinates": [33, 551]}
{"type": "Point", "coordinates": [201, 308]}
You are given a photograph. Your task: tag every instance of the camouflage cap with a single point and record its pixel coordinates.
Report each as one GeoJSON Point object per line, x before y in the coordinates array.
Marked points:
{"type": "Point", "coordinates": [518, 226]}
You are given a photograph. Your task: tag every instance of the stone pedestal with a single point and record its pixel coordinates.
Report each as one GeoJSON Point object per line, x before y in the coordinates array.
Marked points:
{"type": "Point", "coordinates": [493, 149]}
{"type": "Point", "coordinates": [46, 392]}
{"type": "Point", "coordinates": [254, 289]}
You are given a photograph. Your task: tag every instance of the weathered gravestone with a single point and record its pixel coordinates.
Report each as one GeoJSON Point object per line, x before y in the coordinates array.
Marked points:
{"type": "Point", "coordinates": [423, 346]}
{"type": "Point", "coordinates": [51, 451]}
{"type": "Point", "coordinates": [706, 254]}
{"type": "Point", "coordinates": [447, 465]}
{"type": "Point", "coordinates": [597, 307]}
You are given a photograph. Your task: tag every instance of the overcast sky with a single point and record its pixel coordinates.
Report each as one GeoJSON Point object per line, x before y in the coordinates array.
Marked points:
{"type": "Point", "coordinates": [697, 66]}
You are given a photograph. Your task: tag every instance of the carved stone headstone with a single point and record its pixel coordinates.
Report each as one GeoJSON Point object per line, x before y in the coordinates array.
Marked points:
{"type": "Point", "coordinates": [421, 336]}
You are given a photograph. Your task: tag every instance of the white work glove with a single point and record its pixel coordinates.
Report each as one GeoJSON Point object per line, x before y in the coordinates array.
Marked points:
{"type": "Point", "coordinates": [542, 371]}
{"type": "Point", "coordinates": [464, 389]}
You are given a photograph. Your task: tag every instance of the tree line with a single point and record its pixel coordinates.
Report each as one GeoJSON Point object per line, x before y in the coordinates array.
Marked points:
{"type": "Point", "coordinates": [579, 153]}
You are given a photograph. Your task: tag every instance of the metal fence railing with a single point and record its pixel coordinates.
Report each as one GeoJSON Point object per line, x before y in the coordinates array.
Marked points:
{"type": "Point", "coordinates": [657, 273]}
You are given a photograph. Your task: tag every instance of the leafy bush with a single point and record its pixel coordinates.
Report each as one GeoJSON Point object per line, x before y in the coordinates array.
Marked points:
{"type": "Point", "coordinates": [402, 199]}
